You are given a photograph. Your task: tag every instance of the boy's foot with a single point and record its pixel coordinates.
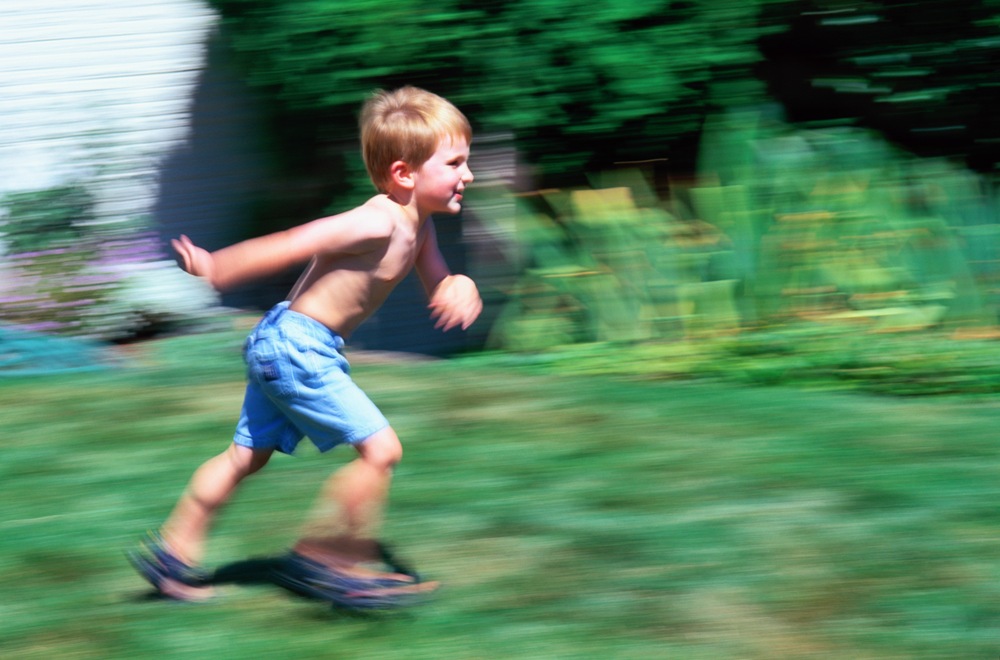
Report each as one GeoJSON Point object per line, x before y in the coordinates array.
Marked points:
{"type": "Point", "coordinates": [349, 588]}
{"type": "Point", "coordinates": [169, 575]}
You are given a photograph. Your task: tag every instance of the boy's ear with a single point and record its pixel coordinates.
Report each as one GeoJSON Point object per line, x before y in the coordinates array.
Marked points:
{"type": "Point", "coordinates": [401, 174]}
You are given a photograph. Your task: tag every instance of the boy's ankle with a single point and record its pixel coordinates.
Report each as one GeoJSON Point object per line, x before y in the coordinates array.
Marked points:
{"type": "Point", "coordinates": [338, 552]}
{"type": "Point", "coordinates": [182, 552]}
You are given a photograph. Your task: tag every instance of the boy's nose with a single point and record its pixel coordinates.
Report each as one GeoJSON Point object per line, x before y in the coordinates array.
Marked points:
{"type": "Point", "coordinates": [469, 176]}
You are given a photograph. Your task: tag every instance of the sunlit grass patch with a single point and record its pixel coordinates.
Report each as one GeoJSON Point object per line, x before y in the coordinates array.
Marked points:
{"type": "Point", "coordinates": [570, 515]}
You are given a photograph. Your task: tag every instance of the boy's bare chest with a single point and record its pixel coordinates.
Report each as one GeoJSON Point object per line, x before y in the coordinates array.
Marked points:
{"type": "Point", "coordinates": [398, 259]}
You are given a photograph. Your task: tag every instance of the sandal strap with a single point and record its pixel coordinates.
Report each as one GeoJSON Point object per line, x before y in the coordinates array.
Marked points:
{"type": "Point", "coordinates": [173, 567]}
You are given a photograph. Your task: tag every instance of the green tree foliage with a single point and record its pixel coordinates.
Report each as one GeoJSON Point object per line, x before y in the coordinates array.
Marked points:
{"type": "Point", "coordinates": [577, 86]}
{"type": "Point", "coordinates": [922, 73]}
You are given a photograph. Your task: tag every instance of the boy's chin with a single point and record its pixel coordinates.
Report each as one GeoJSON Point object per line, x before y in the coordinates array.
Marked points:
{"type": "Point", "coordinates": [451, 207]}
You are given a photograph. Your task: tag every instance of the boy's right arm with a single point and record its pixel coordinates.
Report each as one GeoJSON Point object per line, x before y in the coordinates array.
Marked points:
{"type": "Point", "coordinates": [241, 262]}
{"type": "Point", "coordinates": [191, 258]}
{"type": "Point", "coordinates": [353, 232]}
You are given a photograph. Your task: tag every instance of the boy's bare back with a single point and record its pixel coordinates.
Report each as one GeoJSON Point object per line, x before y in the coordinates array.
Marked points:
{"type": "Point", "coordinates": [355, 269]}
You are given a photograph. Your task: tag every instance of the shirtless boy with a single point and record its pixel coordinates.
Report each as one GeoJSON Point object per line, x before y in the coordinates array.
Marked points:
{"type": "Point", "coordinates": [416, 149]}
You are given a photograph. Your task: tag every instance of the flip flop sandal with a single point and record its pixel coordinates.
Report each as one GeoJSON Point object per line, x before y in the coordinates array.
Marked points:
{"type": "Point", "coordinates": [166, 573]}
{"type": "Point", "coordinates": [311, 579]}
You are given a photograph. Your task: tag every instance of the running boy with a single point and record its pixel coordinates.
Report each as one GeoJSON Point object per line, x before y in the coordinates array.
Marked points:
{"type": "Point", "coordinates": [416, 149]}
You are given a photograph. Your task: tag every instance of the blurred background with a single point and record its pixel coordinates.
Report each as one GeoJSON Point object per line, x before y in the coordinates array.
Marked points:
{"type": "Point", "coordinates": [753, 178]}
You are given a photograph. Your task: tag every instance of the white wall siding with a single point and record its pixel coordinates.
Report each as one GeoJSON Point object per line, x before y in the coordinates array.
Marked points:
{"type": "Point", "coordinates": [96, 92]}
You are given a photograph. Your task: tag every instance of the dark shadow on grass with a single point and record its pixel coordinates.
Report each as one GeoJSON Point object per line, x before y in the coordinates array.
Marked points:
{"type": "Point", "coordinates": [258, 570]}
{"type": "Point", "coordinates": [261, 570]}
{"type": "Point", "coordinates": [153, 596]}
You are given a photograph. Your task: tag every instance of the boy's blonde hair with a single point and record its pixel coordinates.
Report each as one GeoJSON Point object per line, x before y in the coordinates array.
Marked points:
{"type": "Point", "coordinates": [406, 124]}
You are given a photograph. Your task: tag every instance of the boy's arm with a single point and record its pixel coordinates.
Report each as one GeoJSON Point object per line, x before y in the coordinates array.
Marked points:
{"type": "Point", "coordinates": [454, 299]}
{"type": "Point", "coordinates": [354, 232]}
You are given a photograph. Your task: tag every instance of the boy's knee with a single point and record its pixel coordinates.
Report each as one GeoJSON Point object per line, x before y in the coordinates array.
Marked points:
{"type": "Point", "coordinates": [382, 450]}
{"type": "Point", "coordinates": [245, 461]}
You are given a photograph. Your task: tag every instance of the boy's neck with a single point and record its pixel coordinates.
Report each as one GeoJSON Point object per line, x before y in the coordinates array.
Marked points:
{"type": "Point", "coordinates": [405, 201]}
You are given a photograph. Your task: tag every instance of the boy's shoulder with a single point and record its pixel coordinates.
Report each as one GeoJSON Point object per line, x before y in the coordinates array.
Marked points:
{"type": "Point", "coordinates": [361, 229]}
{"type": "Point", "coordinates": [379, 208]}
{"type": "Point", "coordinates": [373, 218]}
{"type": "Point", "coordinates": [379, 212]}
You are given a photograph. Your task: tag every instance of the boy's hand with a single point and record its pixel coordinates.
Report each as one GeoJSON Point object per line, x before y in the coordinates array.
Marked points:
{"type": "Point", "coordinates": [455, 302]}
{"type": "Point", "coordinates": [193, 259]}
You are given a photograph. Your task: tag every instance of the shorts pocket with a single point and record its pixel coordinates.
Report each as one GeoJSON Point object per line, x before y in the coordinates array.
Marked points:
{"type": "Point", "coordinates": [269, 371]}
{"type": "Point", "coordinates": [267, 365]}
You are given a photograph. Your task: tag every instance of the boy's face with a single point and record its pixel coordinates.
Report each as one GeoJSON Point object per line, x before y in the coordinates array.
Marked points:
{"type": "Point", "coordinates": [442, 178]}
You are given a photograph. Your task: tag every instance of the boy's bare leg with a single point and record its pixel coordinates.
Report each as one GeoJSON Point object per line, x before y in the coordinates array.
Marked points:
{"type": "Point", "coordinates": [210, 487]}
{"type": "Point", "coordinates": [343, 526]}
{"type": "Point", "coordinates": [343, 529]}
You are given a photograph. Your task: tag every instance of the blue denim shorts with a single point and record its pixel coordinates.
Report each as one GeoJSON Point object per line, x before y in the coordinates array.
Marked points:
{"type": "Point", "coordinates": [299, 385]}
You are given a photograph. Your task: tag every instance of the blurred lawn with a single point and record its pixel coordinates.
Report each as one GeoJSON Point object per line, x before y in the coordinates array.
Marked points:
{"type": "Point", "coordinates": [568, 517]}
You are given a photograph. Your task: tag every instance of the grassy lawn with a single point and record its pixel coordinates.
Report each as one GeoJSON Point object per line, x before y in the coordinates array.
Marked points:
{"type": "Point", "coordinates": [568, 517]}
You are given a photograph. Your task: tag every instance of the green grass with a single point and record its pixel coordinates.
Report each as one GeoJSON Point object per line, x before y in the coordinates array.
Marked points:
{"type": "Point", "coordinates": [567, 516]}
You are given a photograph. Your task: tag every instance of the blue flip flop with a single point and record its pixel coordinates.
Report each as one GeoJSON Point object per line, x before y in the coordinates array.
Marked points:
{"type": "Point", "coordinates": [158, 566]}
{"type": "Point", "coordinates": [311, 579]}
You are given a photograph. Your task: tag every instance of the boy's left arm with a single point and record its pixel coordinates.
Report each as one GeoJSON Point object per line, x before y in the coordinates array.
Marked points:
{"type": "Point", "coordinates": [454, 298]}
